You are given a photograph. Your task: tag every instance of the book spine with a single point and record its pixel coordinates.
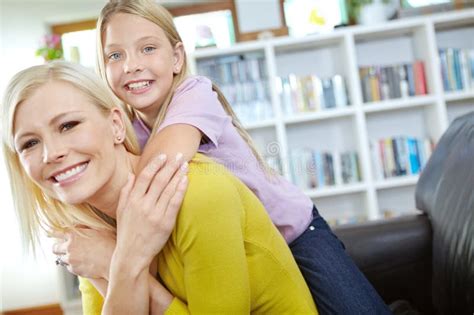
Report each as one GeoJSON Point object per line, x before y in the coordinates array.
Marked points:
{"type": "Point", "coordinates": [328, 92]}
{"type": "Point", "coordinates": [337, 168]}
{"type": "Point", "coordinates": [376, 159]}
{"type": "Point", "coordinates": [404, 90]}
{"type": "Point", "coordinates": [340, 91]}
{"type": "Point", "coordinates": [396, 82]}
{"type": "Point", "coordinates": [414, 155]}
{"type": "Point", "coordinates": [355, 167]}
{"type": "Point", "coordinates": [374, 84]}
{"type": "Point", "coordinates": [444, 68]}
{"type": "Point", "coordinates": [420, 81]}
{"type": "Point", "coordinates": [411, 80]}
{"type": "Point", "coordinates": [451, 69]}
{"type": "Point", "coordinates": [402, 155]}
{"type": "Point", "coordinates": [471, 63]}
{"type": "Point", "coordinates": [396, 157]}
{"type": "Point", "coordinates": [390, 158]}
{"type": "Point", "coordinates": [384, 83]}
{"type": "Point", "coordinates": [464, 62]}
{"type": "Point", "coordinates": [364, 81]}
{"type": "Point", "coordinates": [318, 92]}
{"type": "Point", "coordinates": [457, 70]}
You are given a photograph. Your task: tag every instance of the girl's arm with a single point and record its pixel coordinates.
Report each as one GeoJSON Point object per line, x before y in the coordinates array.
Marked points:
{"type": "Point", "coordinates": [173, 139]}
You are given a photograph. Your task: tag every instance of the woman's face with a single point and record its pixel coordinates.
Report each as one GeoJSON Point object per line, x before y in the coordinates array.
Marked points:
{"type": "Point", "coordinates": [65, 144]}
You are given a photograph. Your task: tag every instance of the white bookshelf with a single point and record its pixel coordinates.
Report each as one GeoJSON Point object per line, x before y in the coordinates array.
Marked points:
{"type": "Point", "coordinates": [352, 128]}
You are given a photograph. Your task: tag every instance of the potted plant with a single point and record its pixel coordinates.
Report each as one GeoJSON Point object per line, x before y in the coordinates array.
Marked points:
{"type": "Point", "coordinates": [368, 11]}
{"type": "Point", "coordinates": [50, 48]}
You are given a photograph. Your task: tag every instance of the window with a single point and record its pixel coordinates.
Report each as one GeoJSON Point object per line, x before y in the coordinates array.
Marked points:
{"type": "Point", "coordinates": [212, 29]}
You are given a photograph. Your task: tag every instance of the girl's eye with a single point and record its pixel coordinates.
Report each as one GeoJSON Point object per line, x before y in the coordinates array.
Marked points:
{"type": "Point", "coordinates": [114, 56]}
{"type": "Point", "coordinates": [148, 49]}
{"type": "Point", "coordinates": [68, 125]}
{"type": "Point", "coordinates": [28, 145]}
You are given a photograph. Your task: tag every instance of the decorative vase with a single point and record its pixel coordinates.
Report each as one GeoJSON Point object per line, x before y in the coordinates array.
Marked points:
{"type": "Point", "coordinates": [373, 13]}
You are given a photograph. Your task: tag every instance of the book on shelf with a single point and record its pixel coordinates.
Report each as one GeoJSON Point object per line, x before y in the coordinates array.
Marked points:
{"type": "Point", "coordinates": [381, 83]}
{"type": "Point", "coordinates": [399, 156]}
{"type": "Point", "coordinates": [312, 169]}
{"type": "Point", "coordinates": [244, 82]}
{"type": "Point", "coordinates": [310, 93]}
{"type": "Point", "coordinates": [457, 68]}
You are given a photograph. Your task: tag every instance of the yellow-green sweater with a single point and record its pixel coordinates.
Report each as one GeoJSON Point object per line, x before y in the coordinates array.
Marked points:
{"type": "Point", "coordinates": [224, 256]}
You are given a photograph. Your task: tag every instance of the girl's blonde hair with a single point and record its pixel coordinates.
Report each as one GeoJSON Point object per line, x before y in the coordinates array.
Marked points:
{"type": "Point", "coordinates": [34, 208]}
{"type": "Point", "coordinates": [158, 15]}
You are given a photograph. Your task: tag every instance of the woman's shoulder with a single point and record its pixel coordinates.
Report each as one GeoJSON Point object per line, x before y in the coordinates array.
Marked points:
{"type": "Point", "coordinates": [206, 175]}
{"type": "Point", "coordinates": [213, 199]}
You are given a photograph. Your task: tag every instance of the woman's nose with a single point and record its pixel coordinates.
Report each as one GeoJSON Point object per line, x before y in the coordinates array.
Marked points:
{"type": "Point", "coordinates": [53, 152]}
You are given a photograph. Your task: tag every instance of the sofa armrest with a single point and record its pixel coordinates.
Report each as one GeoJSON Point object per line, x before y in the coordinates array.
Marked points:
{"type": "Point", "coordinates": [395, 255]}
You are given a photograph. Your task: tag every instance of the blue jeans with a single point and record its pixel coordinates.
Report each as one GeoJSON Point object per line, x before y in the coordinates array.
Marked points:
{"type": "Point", "coordinates": [337, 285]}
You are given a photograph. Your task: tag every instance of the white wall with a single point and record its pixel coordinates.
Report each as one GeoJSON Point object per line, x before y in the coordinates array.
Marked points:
{"type": "Point", "coordinates": [25, 281]}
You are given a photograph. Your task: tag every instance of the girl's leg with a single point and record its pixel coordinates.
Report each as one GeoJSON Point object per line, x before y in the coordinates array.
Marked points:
{"type": "Point", "coordinates": [337, 285]}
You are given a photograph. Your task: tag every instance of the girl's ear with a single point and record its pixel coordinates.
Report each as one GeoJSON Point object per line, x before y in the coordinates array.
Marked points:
{"type": "Point", "coordinates": [118, 126]}
{"type": "Point", "coordinates": [178, 54]}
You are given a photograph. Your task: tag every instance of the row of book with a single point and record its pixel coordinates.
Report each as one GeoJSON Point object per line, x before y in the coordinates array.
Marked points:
{"type": "Point", "coordinates": [309, 93]}
{"type": "Point", "coordinates": [457, 68]}
{"type": "Point", "coordinates": [234, 68]}
{"type": "Point", "coordinates": [400, 156]}
{"type": "Point", "coordinates": [315, 169]}
{"type": "Point", "coordinates": [396, 81]}
{"type": "Point", "coordinates": [250, 100]}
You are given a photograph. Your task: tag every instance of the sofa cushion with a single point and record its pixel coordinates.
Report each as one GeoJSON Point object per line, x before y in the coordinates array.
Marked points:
{"type": "Point", "coordinates": [445, 191]}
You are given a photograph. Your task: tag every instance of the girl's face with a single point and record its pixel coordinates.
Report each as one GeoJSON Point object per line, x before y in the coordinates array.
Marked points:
{"type": "Point", "coordinates": [65, 144]}
{"type": "Point", "coordinates": [140, 61]}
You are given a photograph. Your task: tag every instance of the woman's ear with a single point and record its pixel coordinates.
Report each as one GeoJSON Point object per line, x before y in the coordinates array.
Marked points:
{"type": "Point", "coordinates": [118, 126]}
{"type": "Point", "coordinates": [178, 57]}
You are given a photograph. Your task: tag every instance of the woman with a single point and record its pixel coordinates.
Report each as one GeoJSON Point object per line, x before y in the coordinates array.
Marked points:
{"type": "Point", "coordinates": [73, 161]}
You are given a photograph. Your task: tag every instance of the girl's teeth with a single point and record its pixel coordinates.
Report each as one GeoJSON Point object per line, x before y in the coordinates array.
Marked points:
{"type": "Point", "coordinates": [138, 85]}
{"type": "Point", "coordinates": [71, 172]}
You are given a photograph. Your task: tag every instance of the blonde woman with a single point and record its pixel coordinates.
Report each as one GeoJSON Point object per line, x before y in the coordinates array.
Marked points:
{"type": "Point", "coordinates": [70, 153]}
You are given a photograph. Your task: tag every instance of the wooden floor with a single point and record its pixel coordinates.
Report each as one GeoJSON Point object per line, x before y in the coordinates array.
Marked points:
{"type": "Point", "coordinates": [52, 309]}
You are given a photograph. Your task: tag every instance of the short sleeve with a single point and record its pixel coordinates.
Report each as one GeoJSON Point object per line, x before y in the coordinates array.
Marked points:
{"type": "Point", "coordinates": [196, 104]}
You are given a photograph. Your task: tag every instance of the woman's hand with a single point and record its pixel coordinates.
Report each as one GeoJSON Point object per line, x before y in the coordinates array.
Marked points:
{"type": "Point", "coordinates": [86, 252]}
{"type": "Point", "coordinates": [147, 209]}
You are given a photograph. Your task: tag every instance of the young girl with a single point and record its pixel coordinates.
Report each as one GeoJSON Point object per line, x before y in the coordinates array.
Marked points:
{"type": "Point", "coordinates": [142, 58]}
{"type": "Point", "coordinates": [69, 149]}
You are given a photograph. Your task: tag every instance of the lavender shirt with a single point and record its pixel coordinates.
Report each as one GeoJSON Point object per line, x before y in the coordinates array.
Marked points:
{"type": "Point", "coordinates": [195, 104]}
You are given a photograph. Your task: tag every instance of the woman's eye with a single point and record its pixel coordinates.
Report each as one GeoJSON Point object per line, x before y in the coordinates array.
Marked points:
{"type": "Point", "coordinates": [68, 125]}
{"type": "Point", "coordinates": [29, 144]}
{"type": "Point", "coordinates": [114, 56]}
{"type": "Point", "coordinates": [148, 49]}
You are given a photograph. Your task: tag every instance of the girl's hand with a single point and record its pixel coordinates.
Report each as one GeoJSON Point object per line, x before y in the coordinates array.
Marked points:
{"type": "Point", "coordinates": [87, 255]}
{"type": "Point", "coordinates": [147, 209]}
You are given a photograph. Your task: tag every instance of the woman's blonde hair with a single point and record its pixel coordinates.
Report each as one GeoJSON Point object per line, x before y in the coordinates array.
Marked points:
{"type": "Point", "coordinates": [34, 208]}
{"type": "Point", "coordinates": [158, 15]}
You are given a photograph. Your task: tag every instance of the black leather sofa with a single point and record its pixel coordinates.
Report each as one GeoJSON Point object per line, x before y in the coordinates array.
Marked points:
{"type": "Point", "coordinates": [427, 259]}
